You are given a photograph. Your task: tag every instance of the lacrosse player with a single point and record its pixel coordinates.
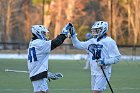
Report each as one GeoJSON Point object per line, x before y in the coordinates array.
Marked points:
{"type": "Point", "coordinates": [103, 53]}
{"type": "Point", "coordinates": [38, 53]}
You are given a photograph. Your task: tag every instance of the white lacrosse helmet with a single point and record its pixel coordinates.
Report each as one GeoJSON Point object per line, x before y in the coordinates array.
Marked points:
{"type": "Point", "coordinates": [40, 31]}
{"type": "Point", "coordinates": [99, 28]}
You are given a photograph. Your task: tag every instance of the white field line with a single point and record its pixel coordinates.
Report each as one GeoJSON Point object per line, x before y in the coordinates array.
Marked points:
{"type": "Point", "coordinates": [89, 89]}
{"type": "Point", "coordinates": [61, 89]}
{"type": "Point", "coordinates": [62, 56]}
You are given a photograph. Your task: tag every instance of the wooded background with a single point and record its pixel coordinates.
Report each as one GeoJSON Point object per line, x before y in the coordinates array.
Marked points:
{"type": "Point", "coordinates": [17, 17]}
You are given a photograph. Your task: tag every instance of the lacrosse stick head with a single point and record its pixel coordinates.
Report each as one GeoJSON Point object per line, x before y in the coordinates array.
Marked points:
{"type": "Point", "coordinates": [54, 76]}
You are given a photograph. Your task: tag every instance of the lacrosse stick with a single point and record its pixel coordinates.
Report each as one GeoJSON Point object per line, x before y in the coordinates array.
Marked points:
{"type": "Point", "coordinates": [96, 51]}
{"type": "Point", "coordinates": [51, 76]}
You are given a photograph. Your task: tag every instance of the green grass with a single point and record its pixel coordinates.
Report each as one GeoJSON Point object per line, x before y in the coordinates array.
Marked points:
{"type": "Point", "coordinates": [125, 77]}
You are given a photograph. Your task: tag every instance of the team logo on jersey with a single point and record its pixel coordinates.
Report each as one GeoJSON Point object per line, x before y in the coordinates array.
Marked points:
{"type": "Point", "coordinates": [95, 49]}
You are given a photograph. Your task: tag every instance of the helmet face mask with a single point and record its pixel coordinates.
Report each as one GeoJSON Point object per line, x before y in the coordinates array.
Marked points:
{"type": "Point", "coordinates": [99, 28]}
{"type": "Point", "coordinates": [47, 35]}
{"type": "Point", "coordinates": [40, 31]}
{"type": "Point", "coordinates": [96, 31]}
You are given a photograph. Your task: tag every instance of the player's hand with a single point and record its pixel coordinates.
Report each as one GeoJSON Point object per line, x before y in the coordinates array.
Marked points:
{"type": "Point", "coordinates": [73, 32]}
{"type": "Point", "coordinates": [66, 29]}
{"type": "Point", "coordinates": [101, 62]}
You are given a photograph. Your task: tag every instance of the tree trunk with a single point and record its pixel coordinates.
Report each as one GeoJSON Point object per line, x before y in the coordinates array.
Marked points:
{"type": "Point", "coordinates": [58, 19]}
{"type": "Point", "coordinates": [8, 15]}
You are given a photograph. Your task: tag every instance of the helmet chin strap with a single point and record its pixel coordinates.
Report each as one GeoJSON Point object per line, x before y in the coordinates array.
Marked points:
{"type": "Point", "coordinates": [95, 36]}
{"type": "Point", "coordinates": [47, 39]}
{"type": "Point", "coordinates": [100, 37]}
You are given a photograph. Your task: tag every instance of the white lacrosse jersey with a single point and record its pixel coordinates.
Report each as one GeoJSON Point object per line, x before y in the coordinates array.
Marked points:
{"type": "Point", "coordinates": [108, 50]}
{"type": "Point", "coordinates": [38, 53]}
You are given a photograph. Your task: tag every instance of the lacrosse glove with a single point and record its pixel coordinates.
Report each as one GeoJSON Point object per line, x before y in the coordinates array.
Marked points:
{"type": "Point", "coordinates": [109, 61]}
{"type": "Point", "coordinates": [66, 29]}
{"type": "Point", "coordinates": [73, 32]}
{"type": "Point", "coordinates": [101, 62]}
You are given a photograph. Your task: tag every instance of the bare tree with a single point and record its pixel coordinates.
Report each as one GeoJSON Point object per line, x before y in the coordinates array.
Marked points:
{"type": "Point", "coordinates": [134, 18]}
{"type": "Point", "coordinates": [26, 11]}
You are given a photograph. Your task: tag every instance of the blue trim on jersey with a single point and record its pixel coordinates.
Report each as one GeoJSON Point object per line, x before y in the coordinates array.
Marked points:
{"type": "Point", "coordinates": [39, 36]}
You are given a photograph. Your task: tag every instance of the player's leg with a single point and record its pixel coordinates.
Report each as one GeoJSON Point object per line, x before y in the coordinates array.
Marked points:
{"type": "Point", "coordinates": [86, 65]}
{"type": "Point", "coordinates": [87, 62]}
{"type": "Point", "coordinates": [40, 86]}
{"type": "Point", "coordinates": [98, 83]}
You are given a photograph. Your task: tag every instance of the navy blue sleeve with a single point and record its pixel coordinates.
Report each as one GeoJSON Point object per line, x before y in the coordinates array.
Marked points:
{"type": "Point", "coordinates": [57, 41]}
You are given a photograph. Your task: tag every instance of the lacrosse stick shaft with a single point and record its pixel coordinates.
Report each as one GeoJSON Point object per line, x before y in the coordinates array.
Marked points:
{"type": "Point", "coordinates": [17, 71]}
{"type": "Point", "coordinates": [107, 79]}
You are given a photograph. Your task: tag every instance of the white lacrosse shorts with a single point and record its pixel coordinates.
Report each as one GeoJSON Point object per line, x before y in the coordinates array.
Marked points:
{"type": "Point", "coordinates": [98, 82]}
{"type": "Point", "coordinates": [40, 85]}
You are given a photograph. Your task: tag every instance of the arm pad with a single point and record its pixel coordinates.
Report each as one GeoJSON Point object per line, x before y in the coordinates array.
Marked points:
{"type": "Point", "coordinates": [57, 41]}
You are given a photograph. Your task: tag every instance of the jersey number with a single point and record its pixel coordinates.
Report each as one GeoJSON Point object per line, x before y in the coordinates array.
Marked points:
{"type": "Point", "coordinates": [96, 54]}
{"type": "Point", "coordinates": [95, 50]}
{"type": "Point", "coordinates": [32, 54]}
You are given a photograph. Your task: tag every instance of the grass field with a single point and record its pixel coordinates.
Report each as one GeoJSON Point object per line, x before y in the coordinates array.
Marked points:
{"type": "Point", "coordinates": [125, 77]}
